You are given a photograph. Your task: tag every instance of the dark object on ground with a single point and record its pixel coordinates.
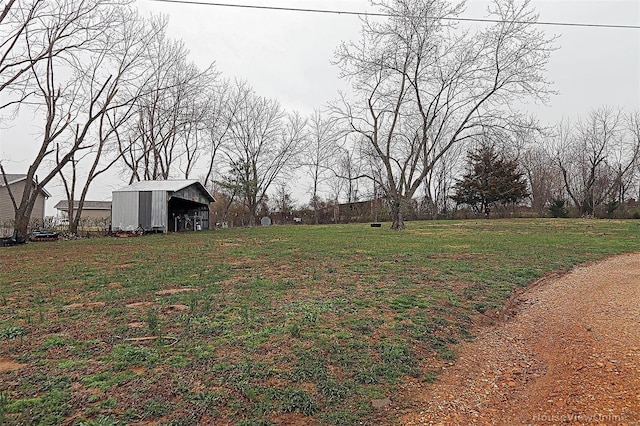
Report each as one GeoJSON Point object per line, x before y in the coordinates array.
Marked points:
{"type": "Point", "coordinates": [44, 236]}
{"type": "Point", "coordinates": [12, 240]}
{"type": "Point", "coordinates": [376, 225]}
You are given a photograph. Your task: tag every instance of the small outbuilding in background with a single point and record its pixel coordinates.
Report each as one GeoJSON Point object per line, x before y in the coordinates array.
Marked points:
{"type": "Point", "coordinates": [94, 210]}
{"type": "Point", "coordinates": [161, 206]}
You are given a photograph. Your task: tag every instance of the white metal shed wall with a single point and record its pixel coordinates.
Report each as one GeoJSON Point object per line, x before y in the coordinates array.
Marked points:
{"type": "Point", "coordinates": [124, 211]}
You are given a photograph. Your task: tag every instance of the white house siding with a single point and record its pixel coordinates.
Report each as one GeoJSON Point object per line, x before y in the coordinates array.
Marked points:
{"type": "Point", "coordinates": [7, 213]}
{"type": "Point", "coordinates": [6, 207]}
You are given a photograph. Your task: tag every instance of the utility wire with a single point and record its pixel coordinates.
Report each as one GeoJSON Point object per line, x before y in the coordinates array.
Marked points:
{"type": "Point", "coordinates": [346, 12]}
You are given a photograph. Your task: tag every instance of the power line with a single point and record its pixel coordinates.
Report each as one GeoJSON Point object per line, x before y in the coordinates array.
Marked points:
{"type": "Point", "coordinates": [346, 12]}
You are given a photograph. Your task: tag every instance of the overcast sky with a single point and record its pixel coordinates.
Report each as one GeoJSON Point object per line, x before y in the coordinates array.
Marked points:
{"type": "Point", "coordinates": [286, 55]}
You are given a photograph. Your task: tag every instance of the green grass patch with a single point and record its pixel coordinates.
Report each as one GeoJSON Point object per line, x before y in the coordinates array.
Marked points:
{"type": "Point", "coordinates": [282, 321]}
{"type": "Point", "coordinates": [105, 380]}
{"type": "Point", "coordinates": [12, 332]}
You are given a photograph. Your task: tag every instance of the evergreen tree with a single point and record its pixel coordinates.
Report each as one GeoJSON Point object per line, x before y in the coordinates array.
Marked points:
{"type": "Point", "coordinates": [491, 179]}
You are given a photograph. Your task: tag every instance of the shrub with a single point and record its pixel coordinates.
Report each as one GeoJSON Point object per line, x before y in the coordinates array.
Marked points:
{"type": "Point", "coordinates": [611, 207]}
{"type": "Point", "coordinates": [558, 208]}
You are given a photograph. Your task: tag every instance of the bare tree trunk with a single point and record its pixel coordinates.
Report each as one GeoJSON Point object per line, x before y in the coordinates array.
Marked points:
{"type": "Point", "coordinates": [316, 218]}
{"type": "Point", "coordinates": [21, 223]}
{"type": "Point", "coordinates": [397, 216]}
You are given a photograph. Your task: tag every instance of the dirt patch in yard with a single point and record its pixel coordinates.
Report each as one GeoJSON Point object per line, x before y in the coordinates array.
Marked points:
{"type": "Point", "coordinates": [172, 291]}
{"type": "Point", "coordinates": [89, 305]}
{"type": "Point", "coordinates": [140, 305]}
{"type": "Point", "coordinates": [7, 364]}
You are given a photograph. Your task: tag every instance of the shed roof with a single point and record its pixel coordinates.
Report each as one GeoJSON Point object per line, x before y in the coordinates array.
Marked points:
{"type": "Point", "coordinates": [165, 185]}
{"type": "Point", "coordinates": [15, 178]}
{"type": "Point", "coordinates": [88, 205]}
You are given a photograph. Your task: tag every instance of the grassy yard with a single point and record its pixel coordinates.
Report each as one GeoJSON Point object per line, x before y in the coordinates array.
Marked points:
{"type": "Point", "coordinates": [295, 324]}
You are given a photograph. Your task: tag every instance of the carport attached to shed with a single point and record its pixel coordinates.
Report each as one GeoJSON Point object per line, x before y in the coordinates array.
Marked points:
{"type": "Point", "coordinates": [161, 206]}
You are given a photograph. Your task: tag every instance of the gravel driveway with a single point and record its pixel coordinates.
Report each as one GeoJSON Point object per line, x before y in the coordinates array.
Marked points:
{"type": "Point", "coordinates": [568, 354]}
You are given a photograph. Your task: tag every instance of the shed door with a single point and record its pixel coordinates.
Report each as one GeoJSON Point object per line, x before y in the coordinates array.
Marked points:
{"type": "Point", "coordinates": [159, 210]}
{"type": "Point", "coordinates": [144, 209]}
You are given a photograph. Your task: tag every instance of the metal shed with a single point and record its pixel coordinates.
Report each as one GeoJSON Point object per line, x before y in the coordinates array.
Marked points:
{"type": "Point", "coordinates": [161, 206]}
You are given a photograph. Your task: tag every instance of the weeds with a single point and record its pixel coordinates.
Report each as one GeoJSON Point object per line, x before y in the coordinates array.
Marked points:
{"type": "Point", "coordinates": [54, 342]}
{"type": "Point", "coordinates": [255, 422]}
{"type": "Point", "coordinates": [104, 381]}
{"type": "Point", "coordinates": [153, 322]}
{"type": "Point", "coordinates": [130, 356]}
{"type": "Point", "coordinates": [294, 330]}
{"type": "Point", "coordinates": [4, 403]}
{"type": "Point", "coordinates": [343, 417]}
{"type": "Point", "coordinates": [194, 300]}
{"type": "Point", "coordinates": [333, 391]}
{"type": "Point", "coordinates": [100, 421]}
{"type": "Point", "coordinates": [293, 399]}
{"type": "Point", "coordinates": [153, 409]}
{"type": "Point", "coordinates": [49, 409]}
{"type": "Point", "coordinates": [430, 377]}
{"type": "Point", "coordinates": [311, 365]}
{"type": "Point", "coordinates": [12, 332]}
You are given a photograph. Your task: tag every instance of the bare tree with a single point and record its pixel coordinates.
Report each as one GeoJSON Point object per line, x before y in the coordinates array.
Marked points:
{"type": "Point", "coordinates": [19, 21]}
{"type": "Point", "coordinates": [320, 151]}
{"type": "Point", "coordinates": [282, 201]}
{"type": "Point", "coordinates": [171, 113]}
{"type": "Point", "coordinates": [192, 135]}
{"type": "Point", "coordinates": [6, 10]}
{"type": "Point", "coordinates": [596, 156]}
{"type": "Point", "coordinates": [122, 59]}
{"type": "Point", "coordinates": [263, 143]}
{"type": "Point", "coordinates": [634, 132]}
{"type": "Point", "coordinates": [626, 157]}
{"type": "Point", "coordinates": [422, 86]}
{"type": "Point", "coordinates": [349, 168]}
{"type": "Point", "coordinates": [336, 186]}
{"type": "Point", "coordinates": [53, 44]}
{"type": "Point", "coordinates": [219, 116]}
{"type": "Point", "coordinates": [439, 182]}
{"type": "Point", "coordinates": [543, 177]}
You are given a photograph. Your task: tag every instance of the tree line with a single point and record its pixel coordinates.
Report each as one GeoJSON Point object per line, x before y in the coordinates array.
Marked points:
{"type": "Point", "coordinates": [112, 91]}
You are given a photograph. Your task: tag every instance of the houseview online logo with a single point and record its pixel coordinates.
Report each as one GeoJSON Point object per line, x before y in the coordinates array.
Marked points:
{"type": "Point", "coordinates": [584, 418]}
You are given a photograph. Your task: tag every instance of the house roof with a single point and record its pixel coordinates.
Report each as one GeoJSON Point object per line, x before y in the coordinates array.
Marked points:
{"type": "Point", "coordinates": [88, 205]}
{"type": "Point", "coordinates": [165, 185]}
{"type": "Point", "coordinates": [12, 179]}
{"type": "Point", "coordinates": [15, 178]}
